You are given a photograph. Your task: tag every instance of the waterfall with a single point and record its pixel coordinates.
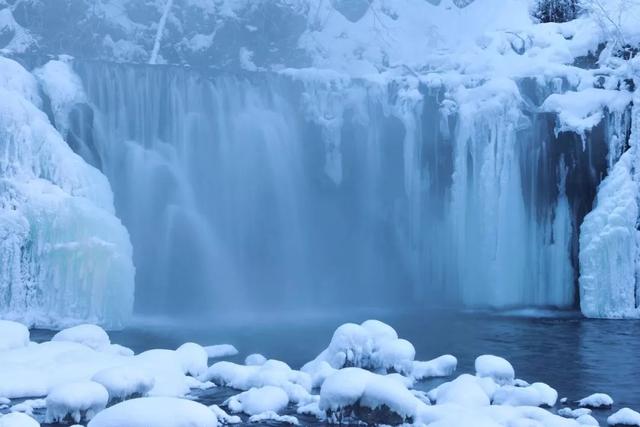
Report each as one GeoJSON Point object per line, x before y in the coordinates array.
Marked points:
{"type": "Point", "coordinates": [267, 191]}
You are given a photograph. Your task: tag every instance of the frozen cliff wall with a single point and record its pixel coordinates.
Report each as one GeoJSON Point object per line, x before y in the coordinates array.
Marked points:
{"type": "Point", "coordinates": [64, 256]}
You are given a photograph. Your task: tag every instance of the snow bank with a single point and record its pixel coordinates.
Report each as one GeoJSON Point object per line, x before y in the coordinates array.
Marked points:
{"type": "Point", "coordinates": [76, 401]}
{"type": "Point", "coordinates": [596, 400]}
{"type": "Point", "coordinates": [13, 335]}
{"type": "Point", "coordinates": [156, 412]}
{"type": "Point", "coordinates": [259, 400]}
{"type": "Point", "coordinates": [624, 417]}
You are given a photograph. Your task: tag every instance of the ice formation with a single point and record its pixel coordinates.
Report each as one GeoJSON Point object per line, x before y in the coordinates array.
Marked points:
{"type": "Point", "coordinates": [75, 401]}
{"type": "Point", "coordinates": [65, 256]}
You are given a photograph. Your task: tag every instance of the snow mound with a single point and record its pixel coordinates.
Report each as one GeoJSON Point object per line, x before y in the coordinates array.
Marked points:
{"type": "Point", "coordinates": [92, 336]}
{"type": "Point", "coordinates": [624, 417]}
{"type": "Point", "coordinates": [156, 412]}
{"type": "Point", "coordinates": [466, 390]}
{"type": "Point", "coordinates": [296, 384]}
{"type": "Point", "coordinates": [354, 393]}
{"type": "Point", "coordinates": [596, 400]}
{"type": "Point", "coordinates": [497, 368]}
{"type": "Point", "coordinates": [17, 419]}
{"type": "Point", "coordinates": [76, 401]}
{"type": "Point", "coordinates": [259, 400]}
{"type": "Point", "coordinates": [13, 335]}
{"type": "Point", "coordinates": [125, 382]}
{"type": "Point", "coordinates": [193, 358]}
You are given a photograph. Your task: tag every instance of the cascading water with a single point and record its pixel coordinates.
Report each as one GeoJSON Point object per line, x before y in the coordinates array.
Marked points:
{"type": "Point", "coordinates": [265, 191]}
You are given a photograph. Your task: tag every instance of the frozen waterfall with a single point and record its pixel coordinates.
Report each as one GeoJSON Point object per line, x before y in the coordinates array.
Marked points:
{"type": "Point", "coordinates": [294, 190]}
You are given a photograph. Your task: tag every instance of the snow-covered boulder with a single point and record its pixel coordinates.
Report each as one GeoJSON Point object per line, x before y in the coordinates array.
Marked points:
{"type": "Point", "coordinates": [92, 336]}
{"type": "Point", "coordinates": [220, 350]}
{"type": "Point", "coordinates": [354, 393]}
{"type": "Point", "coordinates": [17, 419]}
{"type": "Point", "coordinates": [13, 335]}
{"type": "Point", "coordinates": [536, 394]}
{"type": "Point", "coordinates": [442, 366]}
{"type": "Point", "coordinates": [125, 382]}
{"type": "Point", "coordinates": [625, 417]}
{"type": "Point", "coordinates": [193, 358]}
{"type": "Point", "coordinates": [373, 345]}
{"type": "Point", "coordinates": [466, 390]}
{"type": "Point", "coordinates": [271, 416]}
{"type": "Point", "coordinates": [596, 400]}
{"type": "Point", "coordinates": [259, 400]}
{"type": "Point", "coordinates": [296, 384]}
{"type": "Point", "coordinates": [497, 368]}
{"type": "Point", "coordinates": [76, 401]}
{"type": "Point", "coordinates": [156, 412]}
{"type": "Point", "coordinates": [255, 359]}
{"type": "Point", "coordinates": [224, 417]}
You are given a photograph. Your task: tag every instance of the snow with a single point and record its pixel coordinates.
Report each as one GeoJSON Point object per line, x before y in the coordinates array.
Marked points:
{"type": "Point", "coordinates": [92, 336]}
{"type": "Point", "coordinates": [220, 351]}
{"type": "Point", "coordinates": [273, 417]}
{"type": "Point", "coordinates": [536, 394]}
{"type": "Point", "coordinates": [76, 401]}
{"type": "Point", "coordinates": [17, 420]}
{"type": "Point", "coordinates": [125, 382]}
{"type": "Point", "coordinates": [624, 417]}
{"type": "Point", "coordinates": [223, 417]}
{"type": "Point", "coordinates": [156, 412]}
{"type": "Point", "coordinates": [194, 358]}
{"type": "Point", "coordinates": [356, 387]}
{"type": "Point", "coordinates": [442, 366]}
{"type": "Point", "coordinates": [497, 368]}
{"type": "Point", "coordinates": [372, 345]}
{"type": "Point", "coordinates": [296, 384]}
{"type": "Point", "coordinates": [596, 400]}
{"type": "Point", "coordinates": [13, 335]}
{"type": "Point", "coordinates": [466, 390]}
{"type": "Point", "coordinates": [255, 359]}
{"type": "Point", "coordinates": [259, 400]}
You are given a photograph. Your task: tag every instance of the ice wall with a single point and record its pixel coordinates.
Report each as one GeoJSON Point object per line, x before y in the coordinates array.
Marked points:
{"type": "Point", "coordinates": [609, 239]}
{"type": "Point", "coordinates": [307, 189]}
{"type": "Point", "coordinates": [64, 256]}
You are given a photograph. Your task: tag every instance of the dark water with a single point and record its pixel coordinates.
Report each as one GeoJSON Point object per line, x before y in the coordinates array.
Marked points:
{"type": "Point", "coordinates": [574, 355]}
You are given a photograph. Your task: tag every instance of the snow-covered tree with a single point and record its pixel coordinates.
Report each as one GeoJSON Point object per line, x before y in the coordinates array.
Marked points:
{"type": "Point", "coordinates": [556, 10]}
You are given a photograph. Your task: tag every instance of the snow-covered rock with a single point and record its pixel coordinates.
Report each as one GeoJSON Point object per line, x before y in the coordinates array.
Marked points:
{"type": "Point", "coordinates": [125, 382]}
{"type": "Point", "coordinates": [224, 417]}
{"type": "Point", "coordinates": [259, 400]}
{"type": "Point", "coordinates": [17, 419]}
{"type": "Point", "coordinates": [271, 416]}
{"type": "Point", "coordinates": [156, 412]}
{"type": "Point", "coordinates": [92, 336]}
{"type": "Point", "coordinates": [255, 359]}
{"type": "Point", "coordinates": [536, 394]}
{"type": "Point", "coordinates": [76, 401]}
{"type": "Point", "coordinates": [466, 390]}
{"type": "Point", "coordinates": [596, 400]}
{"type": "Point", "coordinates": [193, 358]}
{"type": "Point", "coordinates": [497, 368]}
{"type": "Point", "coordinates": [13, 335]}
{"type": "Point", "coordinates": [624, 417]}
{"type": "Point", "coordinates": [220, 350]}
{"type": "Point", "coordinates": [360, 394]}
{"type": "Point", "coordinates": [442, 366]}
